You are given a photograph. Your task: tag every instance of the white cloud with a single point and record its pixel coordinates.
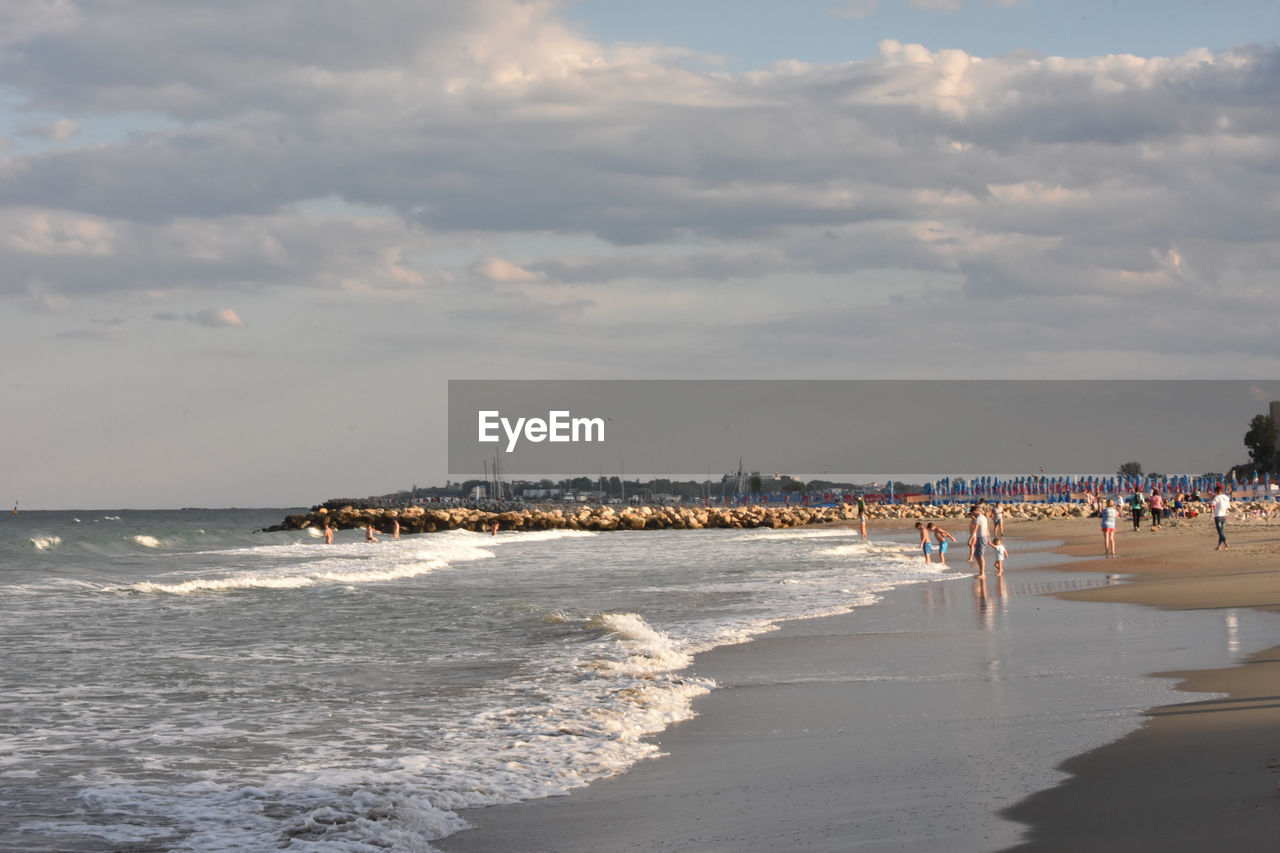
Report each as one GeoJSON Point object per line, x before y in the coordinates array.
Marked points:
{"type": "Point", "coordinates": [441, 132]}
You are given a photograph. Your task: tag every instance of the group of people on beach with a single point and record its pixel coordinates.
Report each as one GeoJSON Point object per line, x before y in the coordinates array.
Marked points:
{"type": "Point", "coordinates": [1138, 503]}
{"type": "Point", "coordinates": [986, 536]}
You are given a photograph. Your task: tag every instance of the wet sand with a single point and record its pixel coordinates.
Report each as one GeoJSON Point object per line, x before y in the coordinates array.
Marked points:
{"type": "Point", "coordinates": [1201, 775]}
{"type": "Point", "coordinates": [927, 722]}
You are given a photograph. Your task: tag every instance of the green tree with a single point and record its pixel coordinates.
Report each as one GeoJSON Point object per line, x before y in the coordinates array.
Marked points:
{"type": "Point", "coordinates": [1129, 469]}
{"type": "Point", "coordinates": [1261, 441]}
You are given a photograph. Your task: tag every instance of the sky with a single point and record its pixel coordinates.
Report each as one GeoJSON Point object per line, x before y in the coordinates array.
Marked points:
{"type": "Point", "coordinates": [244, 246]}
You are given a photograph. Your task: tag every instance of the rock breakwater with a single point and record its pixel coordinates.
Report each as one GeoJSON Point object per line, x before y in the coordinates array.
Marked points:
{"type": "Point", "coordinates": [416, 519]}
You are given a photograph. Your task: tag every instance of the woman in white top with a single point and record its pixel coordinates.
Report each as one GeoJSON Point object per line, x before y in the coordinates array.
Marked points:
{"type": "Point", "coordinates": [1109, 515]}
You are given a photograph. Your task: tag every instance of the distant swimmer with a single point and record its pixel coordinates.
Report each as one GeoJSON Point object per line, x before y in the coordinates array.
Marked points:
{"type": "Point", "coordinates": [395, 528]}
{"type": "Point", "coordinates": [368, 533]}
{"type": "Point", "coordinates": [328, 532]}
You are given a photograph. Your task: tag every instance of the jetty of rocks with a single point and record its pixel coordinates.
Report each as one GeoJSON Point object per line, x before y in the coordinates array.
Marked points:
{"type": "Point", "coordinates": [417, 519]}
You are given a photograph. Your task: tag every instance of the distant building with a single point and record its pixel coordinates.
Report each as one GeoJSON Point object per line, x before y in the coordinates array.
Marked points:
{"type": "Point", "coordinates": [542, 494]}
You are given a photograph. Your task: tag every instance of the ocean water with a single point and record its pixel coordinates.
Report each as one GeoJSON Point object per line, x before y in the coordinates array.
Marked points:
{"type": "Point", "coordinates": [174, 681]}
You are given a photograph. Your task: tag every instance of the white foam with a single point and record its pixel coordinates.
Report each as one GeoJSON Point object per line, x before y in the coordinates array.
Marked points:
{"type": "Point", "coordinates": [518, 537]}
{"type": "Point", "coordinates": [352, 563]}
{"type": "Point", "coordinates": [646, 649]}
{"type": "Point", "coordinates": [146, 541]}
{"type": "Point", "coordinates": [44, 543]}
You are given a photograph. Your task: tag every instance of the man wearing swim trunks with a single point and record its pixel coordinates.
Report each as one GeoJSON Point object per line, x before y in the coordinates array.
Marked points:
{"type": "Point", "coordinates": [980, 539]}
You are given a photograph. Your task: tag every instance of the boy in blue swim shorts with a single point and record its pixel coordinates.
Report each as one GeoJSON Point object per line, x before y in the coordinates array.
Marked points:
{"type": "Point", "coordinates": [942, 538]}
{"type": "Point", "coordinates": [925, 545]}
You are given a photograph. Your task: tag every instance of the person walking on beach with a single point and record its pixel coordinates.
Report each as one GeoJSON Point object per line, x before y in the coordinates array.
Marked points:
{"type": "Point", "coordinates": [1109, 514]}
{"type": "Point", "coordinates": [1221, 503]}
{"type": "Point", "coordinates": [1135, 507]}
{"type": "Point", "coordinates": [997, 529]}
{"type": "Point", "coordinates": [940, 538]}
{"type": "Point", "coordinates": [979, 540]}
{"type": "Point", "coordinates": [862, 516]}
{"type": "Point", "coordinates": [925, 544]}
{"type": "Point", "coordinates": [1157, 509]}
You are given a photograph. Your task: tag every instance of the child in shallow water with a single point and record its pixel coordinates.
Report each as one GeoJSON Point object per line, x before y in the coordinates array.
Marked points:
{"type": "Point", "coordinates": [941, 537]}
{"type": "Point", "coordinates": [1001, 553]}
{"type": "Point", "coordinates": [925, 544]}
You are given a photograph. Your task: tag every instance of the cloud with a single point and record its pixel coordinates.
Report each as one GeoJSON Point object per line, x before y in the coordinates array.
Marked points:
{"type": "Point", "coordinates": [59, 131]}
{"type": "Point", "coordinates": [499, 270]}
{"type": "Point", "coordinates": [454, 154]}
{"type": "Point", "coordinates": [102, 329]}
{"type": "Point", "coordinates": [216, 318]}
{"type": "Point", "coordinates": [210, 318]}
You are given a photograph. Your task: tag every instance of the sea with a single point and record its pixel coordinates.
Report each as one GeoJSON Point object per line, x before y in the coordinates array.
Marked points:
{"type": "Point", "coordinates": [177, 681]}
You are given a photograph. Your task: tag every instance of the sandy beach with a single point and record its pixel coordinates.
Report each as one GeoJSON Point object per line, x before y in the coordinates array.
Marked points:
{"type": "Point", "coordinates": [957, 716]}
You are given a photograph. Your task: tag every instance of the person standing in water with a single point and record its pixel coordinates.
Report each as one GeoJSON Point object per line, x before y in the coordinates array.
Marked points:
{"type": "Point", "coordinates": [925, 545]}
{"type": "Point", "coordinates": [979, 539]}
{"type": "Point", "coordinates": [941, 537]}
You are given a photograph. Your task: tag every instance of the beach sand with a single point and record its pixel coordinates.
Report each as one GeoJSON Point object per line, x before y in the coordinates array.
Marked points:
{"type": "Point", "coordinates": [927, 722]}
{"type": "Point", "coordinates": [1201, 775]}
